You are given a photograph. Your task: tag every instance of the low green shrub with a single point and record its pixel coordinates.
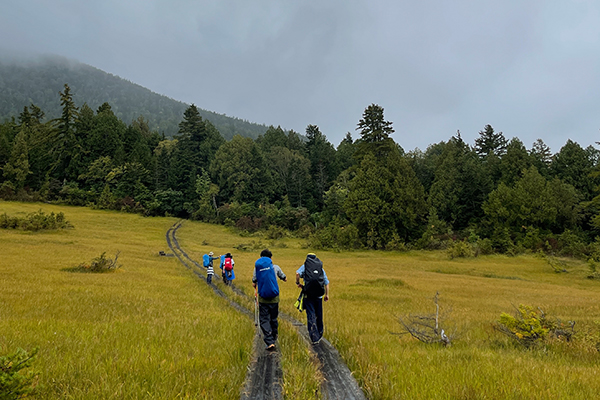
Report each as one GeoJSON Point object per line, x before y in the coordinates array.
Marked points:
{"type": "Point", "coordinates": [15, 382]}
{"type": "Point", "coordinates": [35, 221]}
{"type": "Point", "coordinates": [530, 327]}
{"type": "Point", "coordinates": [460, 249]}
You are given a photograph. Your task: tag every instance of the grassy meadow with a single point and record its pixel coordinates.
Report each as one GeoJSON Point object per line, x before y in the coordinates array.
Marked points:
{"type": "Point", "coordinates": [153, 330]}
{"type": "Point", "coordinates": [150, 330]}
{"type": "Point", "coordinates": [369, 290]}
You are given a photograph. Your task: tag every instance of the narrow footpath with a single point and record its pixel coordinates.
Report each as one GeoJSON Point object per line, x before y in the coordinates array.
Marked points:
{"type": "Point", "coordinates": [264, 377]}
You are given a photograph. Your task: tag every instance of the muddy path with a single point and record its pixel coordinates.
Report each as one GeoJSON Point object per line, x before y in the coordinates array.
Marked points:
{"type": "Point", "coordinates": [264, 378]}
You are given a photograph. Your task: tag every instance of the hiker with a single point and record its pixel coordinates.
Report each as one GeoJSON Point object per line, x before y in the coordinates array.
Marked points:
{"type": "Point", "coordinates": [207, 262]}
{"type": "Point", "coordinates": [210, 270]}
{"type": "Point", "coordinates": [227, 264]}
{"type": "Point", "coordinates": [264, 281]}
{"type": "Point", "coordinates": [208, 259]}
{"type": "Point", "coordinates": [315, 289]}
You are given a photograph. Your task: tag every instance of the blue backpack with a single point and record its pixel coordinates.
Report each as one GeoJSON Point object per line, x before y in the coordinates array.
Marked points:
{"type": "Point", "coordinates": [206, 260]}
{"type": "Point", "coordinates": [266, 279]}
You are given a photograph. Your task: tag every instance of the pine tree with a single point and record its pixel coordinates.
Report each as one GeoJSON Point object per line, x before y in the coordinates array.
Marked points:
{"type": "Point", "coordinates": [375, 133]}
{"type": "Point", "coordinates": [490, 142]}
{"type": "Point", "coordinates": [321, 155]}
{"type": "Point", "coordinates": [66, 147]}
{"type": "Point", "coordinates": [17, 169]}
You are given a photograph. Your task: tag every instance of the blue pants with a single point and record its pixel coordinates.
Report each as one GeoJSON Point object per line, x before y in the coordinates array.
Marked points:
{"type": "Point", "coordinates": [268, 313]}
{"type": "Point", "coordinates": [314, 318]}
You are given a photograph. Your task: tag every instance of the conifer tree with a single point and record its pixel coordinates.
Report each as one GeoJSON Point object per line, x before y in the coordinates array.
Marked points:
{"type": "Point", "coordinates": [17, 169]}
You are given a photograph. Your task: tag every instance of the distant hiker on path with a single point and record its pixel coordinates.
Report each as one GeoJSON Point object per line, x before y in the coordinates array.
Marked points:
{"type": "Point", "coordinates": [207, 261]}
{"type": "Point", "coordinates": [315, 288]}
{"type": "Point", "coordinates": [264, 280]}
{"type": "Point", "coordinates": [227, 266]}
{"type": "Point", "coordinates": [210, 271]}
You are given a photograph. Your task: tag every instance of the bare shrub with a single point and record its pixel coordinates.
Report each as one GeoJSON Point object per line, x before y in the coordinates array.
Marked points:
{"type": "Point", "coordinates": [427, 328]}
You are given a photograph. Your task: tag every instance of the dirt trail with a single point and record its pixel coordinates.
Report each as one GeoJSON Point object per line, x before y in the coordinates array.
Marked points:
{"type": "Point", "coordinates": [264, 378]}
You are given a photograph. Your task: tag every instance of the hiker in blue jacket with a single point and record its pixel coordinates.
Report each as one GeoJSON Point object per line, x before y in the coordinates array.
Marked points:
{"type": "Point", "coordinates": [264, 280]}
{"type": "Point", "coordinates": [315, 289]}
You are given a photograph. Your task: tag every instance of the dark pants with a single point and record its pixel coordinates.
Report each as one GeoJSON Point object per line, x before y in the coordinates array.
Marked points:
{"type": "Point", "coordinates": [268, 313]}
{"type": "Point", "coordinates": [314, 318]}
{"type": "Point", "coordinates": [209, 278]}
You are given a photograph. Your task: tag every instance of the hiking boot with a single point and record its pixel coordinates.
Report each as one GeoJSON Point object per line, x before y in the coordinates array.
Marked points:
{"type": "Point", "coordinates": [317, 342]}
{"type": "Point", "coordinates": [271, 347]}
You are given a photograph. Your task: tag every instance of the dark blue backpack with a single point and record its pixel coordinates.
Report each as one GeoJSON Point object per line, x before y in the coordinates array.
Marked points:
{"type": "Point", "coordinates": [314, 278]}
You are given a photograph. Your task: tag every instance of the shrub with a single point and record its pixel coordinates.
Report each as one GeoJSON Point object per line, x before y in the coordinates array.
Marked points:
{"type": "Point", "coordinates": [14, 384]}
{"type": "Point", "coordinates": [35, 221]}
{"type": "Point", "coordinates": [335, 237]}
{"type": "Point", "coordinates": [530, 327]}
{"type": "Point", "coordinates": [570, 244]}
{"type": "Point", "coordinates": [460, 249]}
{"type": "Point", "coordinates": [100, 264]}
{"type": "Point", "coordinates": [275, 233]}
{"type": "Point", "coordinates": [483, 247]}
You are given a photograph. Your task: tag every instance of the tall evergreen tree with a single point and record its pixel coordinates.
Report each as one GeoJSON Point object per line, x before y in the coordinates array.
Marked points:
{"type": "Point", "coordinates": [240, 171]}
{"type": "Point", "coordinates": [375, 133]}
{"type": "Point", "coordinates": [490, 142]}
{"type": "Point", "coordinates": [17, 169]}
{"type": "Point", "coordinates": [573, 165]}
{"type": "Point", "coordinates": [460, 185]}
{"type": "Point", "coordinates": [66, 145]}
{"type": "Point", "coordinates": [344, 155]}
{"type": "Point", "coordinates": [542, 157]}
{"type": "Point", "coordinates": [321, 155]}
{"type": "Point", "coordinates": [514, 162]}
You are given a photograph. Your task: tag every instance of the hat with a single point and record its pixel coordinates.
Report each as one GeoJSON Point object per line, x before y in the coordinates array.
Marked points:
{"type": "Point", "coordinates": [211, 253]}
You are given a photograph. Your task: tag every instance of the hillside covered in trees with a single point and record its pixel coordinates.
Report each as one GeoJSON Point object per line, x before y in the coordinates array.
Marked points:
{"type": "Point", "coordinates": [495, 195]}
{"type": "Point", "coordinates": [39, 81]}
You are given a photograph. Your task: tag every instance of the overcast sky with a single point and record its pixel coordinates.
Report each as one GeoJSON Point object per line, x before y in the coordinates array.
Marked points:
{"type": "Point", "coordinates": [529, 68]}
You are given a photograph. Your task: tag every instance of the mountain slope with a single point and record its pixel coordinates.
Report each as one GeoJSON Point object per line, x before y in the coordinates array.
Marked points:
{"type": "Point", "coordinates": [39, 82]}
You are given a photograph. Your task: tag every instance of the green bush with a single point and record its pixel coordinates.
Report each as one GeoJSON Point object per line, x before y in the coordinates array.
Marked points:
{"type": "Point", "coordinates": [527, 327]}
{"type": "Point", "coordinates": [460, 249]}
{"type": "Point", "coordinates": [335, 237]}
{"type": "Point", "coordinates": [484, 247]}
{"type": "Point", "coordinates": [14, 382]}
{"type": "Point", "coordinates": [275, 233]}
{"type": "Point", "coordinates": [35, 221]}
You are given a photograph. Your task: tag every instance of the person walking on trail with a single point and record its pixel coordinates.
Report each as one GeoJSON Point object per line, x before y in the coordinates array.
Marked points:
{"type": "Point", "coordinates": [315, 289]}
{"type": "Point", "coordinates": [264, 281]}
{"type": "Point", "coordinates": [210, 271]}
{"type": "Point", "coordinates": [207, 262]}
{"type": "Point", "coordinates": [228, 263]}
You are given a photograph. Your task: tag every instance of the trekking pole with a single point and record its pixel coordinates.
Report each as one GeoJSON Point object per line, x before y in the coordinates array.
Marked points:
{"type": "Point", "coordinates": [255, 307]}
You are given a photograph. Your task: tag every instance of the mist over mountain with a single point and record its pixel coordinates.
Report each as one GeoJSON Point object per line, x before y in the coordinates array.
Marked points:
{"type": "Point", "coordinates": [38, 80]}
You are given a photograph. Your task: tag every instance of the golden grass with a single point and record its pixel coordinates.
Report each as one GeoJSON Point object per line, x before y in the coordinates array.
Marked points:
{"type": "Point", "coordinates": [369, 290]}
{"type": "Point", "coordinates": [151, 330]}
{"type": "Point", "coordinates": [154, 331]}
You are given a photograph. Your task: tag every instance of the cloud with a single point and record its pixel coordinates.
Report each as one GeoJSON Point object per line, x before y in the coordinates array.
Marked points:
{"type": "Point", "coordinates": [526, 67]}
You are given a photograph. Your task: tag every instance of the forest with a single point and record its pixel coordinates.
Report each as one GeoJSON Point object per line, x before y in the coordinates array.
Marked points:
{"type": "Point", "coordinates": [38, 80]}
{"type": "Point", "coordinates": [492, 196]}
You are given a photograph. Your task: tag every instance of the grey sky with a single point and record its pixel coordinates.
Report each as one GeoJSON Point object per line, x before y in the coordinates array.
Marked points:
{"type": "Point", "coordinates": [529, 68]}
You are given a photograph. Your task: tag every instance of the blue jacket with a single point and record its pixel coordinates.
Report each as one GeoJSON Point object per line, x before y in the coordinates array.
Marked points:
{"type": "Point", "coordinates": [266, 278]}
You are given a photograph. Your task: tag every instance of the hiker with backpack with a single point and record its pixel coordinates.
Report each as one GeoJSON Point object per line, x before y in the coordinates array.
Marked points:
{"type": "Point", "coordinates": [315, 290]}
{"type": "Point", "coordinates": [264, 281]}
{"type": "Point", "coordinates": [227, 266]}
{"type": "Point", "coordinates": [207, 262]}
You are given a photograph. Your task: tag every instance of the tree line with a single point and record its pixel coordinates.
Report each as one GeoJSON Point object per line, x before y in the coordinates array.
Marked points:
{"type": "Point", "coordinates": [38, 80]}
{"type": "Point", "coordinates": [496, 194]}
